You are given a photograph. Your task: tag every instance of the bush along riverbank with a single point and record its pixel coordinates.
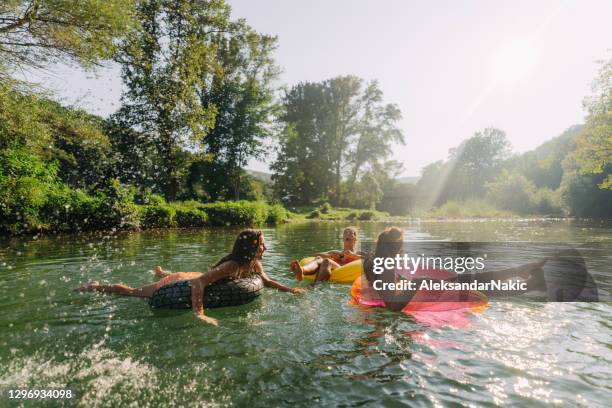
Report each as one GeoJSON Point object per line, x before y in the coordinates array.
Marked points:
{"type": "Point", "coordinates": [34, 199]}
{"type": "Point", "coordinates": [75, 211]}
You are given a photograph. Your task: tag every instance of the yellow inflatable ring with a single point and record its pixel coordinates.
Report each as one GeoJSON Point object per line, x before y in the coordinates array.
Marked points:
{"type": "Point", "coordinates": [344, 274]}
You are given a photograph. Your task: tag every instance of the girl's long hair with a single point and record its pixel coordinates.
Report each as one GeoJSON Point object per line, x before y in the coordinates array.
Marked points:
{"type": "Point", "coordinates": [244, 250]}
{"type": "Point", "coordinates": [388, 244]}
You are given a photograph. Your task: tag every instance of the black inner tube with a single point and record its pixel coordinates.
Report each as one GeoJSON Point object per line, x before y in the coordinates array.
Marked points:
{"type": "Point", "coordinates": [224, 292]}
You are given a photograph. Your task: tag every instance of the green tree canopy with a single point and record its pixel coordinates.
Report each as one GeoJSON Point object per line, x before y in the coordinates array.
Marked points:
{"type": "Point", "coordinates": [594, 153]}
{"type": "Point", "coordinates": [243, 96]}
{"type": "Point", "coordinates": [167, 66]}
{"type": "Point", "coordinates": [334, 129]}
{"type": "Point", "coordinates": [34, 33]}
{"type": "Point", "coordinates": [470, 166]}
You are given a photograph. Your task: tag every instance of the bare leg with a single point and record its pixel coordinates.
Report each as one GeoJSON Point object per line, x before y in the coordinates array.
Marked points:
{"type": "Point", "coordinates": [297, 270]}
{"type": "Point", "coordinates": [120, 289]}
{"type": "Point", "coordinates": [524, 271]}
{"type": "Point", "coordinates": [324, 272]}
{"type": "Point", "coordinates": [309, 269]}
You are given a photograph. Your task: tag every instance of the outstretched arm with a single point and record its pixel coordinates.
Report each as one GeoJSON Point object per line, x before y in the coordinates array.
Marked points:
{"type": "Point", "coordinates": [197, 289]}
{"type": "Point", "coordinates": [328, 254]}
{"type": "Point", "coordinates": [271, 283]}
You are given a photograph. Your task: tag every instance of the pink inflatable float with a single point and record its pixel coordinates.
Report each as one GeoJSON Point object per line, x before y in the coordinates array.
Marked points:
{"type": "Point", "coordinates": [434, 308]}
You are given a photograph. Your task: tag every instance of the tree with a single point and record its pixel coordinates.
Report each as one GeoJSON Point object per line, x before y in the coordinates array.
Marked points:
{"type": "Point", "coordinates": [243, 96]}
{"type": "Point", "coordinates": [333, 129]}
{"type": "Point", "coordinates": [594, 152]}
{"type": "Point", "coordinates": [303, 164]}
{"type": "Point", "coordinates": [512, 192]}
{"type": "Point", "coordinates": [465, 174]}
{"type": "Point", "coordinates": [376, 133]}
{"type": "Point", "coordinates": [476, 161]}
{"type": "Point", "coordinates": [431, 184]}
{"type": "Point", "coordinates": [398, 198]}
{"type": "Point", "coordinates": [543, 165]}
{"type": "Point", "coordinates": [134, 158]}
{"type": "Point", "coordinates": [369, 190]}
{"type": "Point", "coordinates": [167, 65]}
{"type": "Point", "coordinates": [34, 33]}
{"type": "Point", "coordinates": [50, 131]}
{"type": "Point", "coordinates": [580, 192]}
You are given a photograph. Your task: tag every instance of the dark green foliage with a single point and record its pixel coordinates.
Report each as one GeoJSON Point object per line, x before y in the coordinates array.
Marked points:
{"type": "Point", "coordinates": [117, 208]}
{"type": "Point", "coordinates": [134, 158]}
{"type": "Point", "coordinates": [314, 214]}
{"type": "Point", "coordinates": [25, 185]}
{"type": "Point", "coordinates": [190, 217]}
{"type": "Point", "coordinates": [33, 198]}
{"type": "Point", "coordinates": [207, 180]}
{"type": "Point", "coordinates": [277, 214]}
{"type": "Point", "coordinates": [165, 66]}
{"type": "Point", "coordinates": [351, 216]}
{"type": "Point", "coordinates": [398, 198]}
{"type": "Point", "coordinates": [367, 216]}
{"type": "Point", "coordinates": [72, 137]}
{"type": "Point", "coordinates": [145, 196]}
{"type": "Point", "coordinates": [581, 192]}
{"type": "Point", "coordinates": [325, 208]}
{"type": "Point", "coordinates": [245, 109]}
{"type": "Point", "coordinates": [544, 165]}
{"type": "Point", "coordinates": [330, 127]}
{"type": "Point", "coordinates": [236, 213]}
{"type": "Point", "coordinates": [72, 210]}
{"type": "Point", "coordinates": [158, 216]}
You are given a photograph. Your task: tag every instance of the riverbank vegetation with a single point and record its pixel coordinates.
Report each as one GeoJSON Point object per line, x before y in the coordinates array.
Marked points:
{"type": "Point", "coordinates": [199, 103]}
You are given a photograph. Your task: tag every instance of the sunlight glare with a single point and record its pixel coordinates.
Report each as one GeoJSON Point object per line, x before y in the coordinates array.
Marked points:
{"type": "Point", "coordinates": [512, 62]}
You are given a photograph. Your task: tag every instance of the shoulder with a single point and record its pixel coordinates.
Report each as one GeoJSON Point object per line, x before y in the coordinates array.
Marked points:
{"type": "Point", "coordinates": [226, 266]}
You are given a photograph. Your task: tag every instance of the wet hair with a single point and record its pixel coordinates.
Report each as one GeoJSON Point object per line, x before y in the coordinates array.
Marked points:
{"type": "Point", "coordinates": [244, 250]}
{"type": "Point", "coordinates": [351, 229]}
{"type": "Point", "coordinates": [388, 244]}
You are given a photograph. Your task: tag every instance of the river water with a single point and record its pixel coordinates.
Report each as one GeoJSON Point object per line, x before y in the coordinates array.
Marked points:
{"type": "Point", "coordinates": [289, 350]}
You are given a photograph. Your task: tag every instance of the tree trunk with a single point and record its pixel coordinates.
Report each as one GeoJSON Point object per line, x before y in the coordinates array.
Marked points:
{"type": "Point", "coordinates": [338, 194]}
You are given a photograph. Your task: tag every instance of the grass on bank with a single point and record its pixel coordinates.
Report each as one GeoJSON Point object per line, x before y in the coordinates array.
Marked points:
{"type": "Point", "coordinates": [483, 208]}
{"type": "Point", "coordinates": [326, 212]}
{"type": "Point", "coordinates": [455, 209]}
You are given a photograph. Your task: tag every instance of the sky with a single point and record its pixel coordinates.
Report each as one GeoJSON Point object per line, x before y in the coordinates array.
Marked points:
{"type": "Point", "coordinates": [452, 67]}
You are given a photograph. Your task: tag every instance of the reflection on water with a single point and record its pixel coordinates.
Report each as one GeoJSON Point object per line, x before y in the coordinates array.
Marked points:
{"type": "Point", "coordinates": [289, 350]}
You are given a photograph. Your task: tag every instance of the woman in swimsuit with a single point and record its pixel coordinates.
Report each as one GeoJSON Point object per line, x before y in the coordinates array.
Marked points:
{"type": "Point", "coordinates": [325, 262]}
{"type": "Point", "coordinates": [390, 243]}
{"type": "Point", "coordinates": [242, 262]}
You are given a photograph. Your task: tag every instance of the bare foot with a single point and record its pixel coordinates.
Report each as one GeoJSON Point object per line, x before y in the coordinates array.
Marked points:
{"type": "Point", "coordinates": [88, 287]}
{"type": "Point", "coordinates": [208, 319]}
{"type": "Point", "coordinates": [159, 272]}
{"type": "Point", "coordinates": [297, 270]}
{"type": "Point", "coordinates": [531, 269]}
